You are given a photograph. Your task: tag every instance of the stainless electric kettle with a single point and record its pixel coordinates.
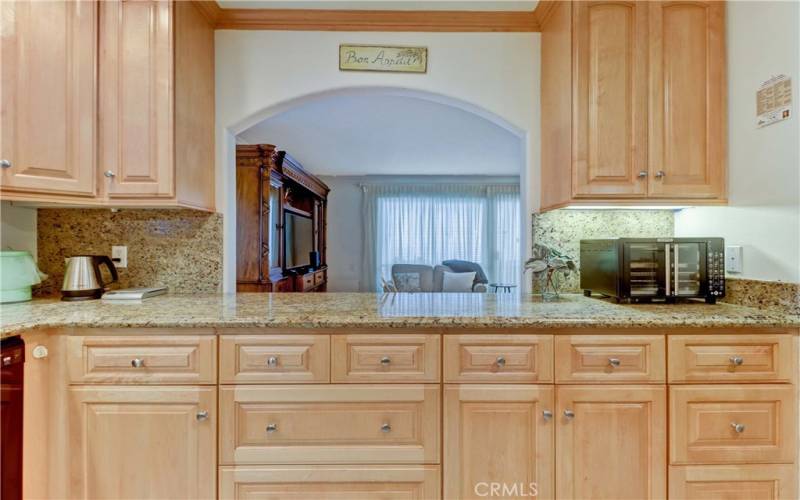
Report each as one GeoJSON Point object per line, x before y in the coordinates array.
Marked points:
{"type": "Point", "coordinates": [82, 278]}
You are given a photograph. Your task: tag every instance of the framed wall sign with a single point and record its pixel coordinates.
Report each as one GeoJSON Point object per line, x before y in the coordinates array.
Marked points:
{"type": "Point", "coordinates": [380, 58]}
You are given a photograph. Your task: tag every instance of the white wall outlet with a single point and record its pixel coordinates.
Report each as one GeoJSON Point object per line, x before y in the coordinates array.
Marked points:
{"type": "Point", "coordinates": [733, 259]}
{"type": "Point", "coordinates": [120, 256]}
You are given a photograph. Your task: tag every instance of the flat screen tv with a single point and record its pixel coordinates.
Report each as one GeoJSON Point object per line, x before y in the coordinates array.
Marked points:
{"type": "Point", "coordinates": [299, 237]}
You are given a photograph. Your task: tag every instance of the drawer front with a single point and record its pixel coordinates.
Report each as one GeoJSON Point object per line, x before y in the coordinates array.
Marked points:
{"type": "Point", "coordinates": [498, 358]}
{"type": "Point", "coordinates": [731, 358]}
{"type": "Point", "coordinates": [732, 482]}
{"type": "Point", "coordinates": [308, 282]}
{"type": "Point", "coordinates": [329, 424]}
{"type": "Point", "coordinates": [386, 358]}
{"type": "Point", "coordinates": [605, 359]}
{"type": "Point", "coordinates": [319, 277]}
{"type": "Point", "coordinates": [174, 359]}
{"type": "Point", "coordinates": [732, 424]}
{"type": "Point", "coordinates": [346, 482]}
{"type": "Point", "coordinates": [274, 359]}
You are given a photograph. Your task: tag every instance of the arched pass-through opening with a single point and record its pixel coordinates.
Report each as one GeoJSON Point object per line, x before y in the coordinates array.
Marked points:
{"type": "Point", "coordinates": [248, 123]}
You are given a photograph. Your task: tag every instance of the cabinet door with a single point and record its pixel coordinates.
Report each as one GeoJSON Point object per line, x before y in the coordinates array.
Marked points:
{"type": "Point", "coordinates": [136, 98]}
{"type": "Point", "coordinates": [610, 94]}
{"type": "Point", "coordinates": [143, 442]}
{"type": "Point", "coordinates": [49, 52]}
{"type": "Point", "coordinates": [611, 442]}
{"type": "Point", "coordinates": [687, 100]}
{"type": "Point", "coordinates": [498, 438]}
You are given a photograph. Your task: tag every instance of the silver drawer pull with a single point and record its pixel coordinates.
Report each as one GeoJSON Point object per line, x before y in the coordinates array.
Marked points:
{"type": "Point", "coordinates": [386, 427]}
{"type": "Point", "coordinates": [386, 360]}
{"type": "Point", "coordinates": [501, 361]}
{"type": "Point", "coordinates": [202, 415]}
{"type": "Point", "coordinates": [109, 174]}
{"type": "Point", "coordinates": [272, 428]}
{"type": "Point", "coordinates": [5, 164]}
{"type": "Point", "coordinates": [569, 414]}
{"type": "Point", "coordinates": [137, 362]}
{"type": "Point", "coordinates": [739, 428]}
{"type": "Point", "coordinates": [547, 415]}
{"type": "Point", "coordinates": [736, 360]}
{"type": "Point", "coordinates": [272, 361]}
{"type": "Point", "coordinates": [614, 362]}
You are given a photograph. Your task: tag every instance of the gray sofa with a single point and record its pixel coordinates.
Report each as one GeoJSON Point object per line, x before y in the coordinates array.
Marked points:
{"type": "Point", "coordinates": [422, 278]}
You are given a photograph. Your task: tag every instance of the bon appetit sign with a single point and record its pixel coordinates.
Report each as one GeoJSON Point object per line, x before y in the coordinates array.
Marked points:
{"type": "Point", "coordinates": [380, 58]}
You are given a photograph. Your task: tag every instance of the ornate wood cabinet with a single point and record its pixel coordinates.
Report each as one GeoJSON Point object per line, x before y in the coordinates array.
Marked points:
{"type": "Point", "coordinates": [271, 188]}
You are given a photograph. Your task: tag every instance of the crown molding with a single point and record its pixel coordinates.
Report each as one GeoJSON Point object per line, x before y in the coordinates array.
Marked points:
{"type": "Point", "coordinates": [369, 20]}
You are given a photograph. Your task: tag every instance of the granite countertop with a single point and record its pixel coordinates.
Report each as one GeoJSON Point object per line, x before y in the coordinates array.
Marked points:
{"type": "Point", "coordinates": [366, 310]}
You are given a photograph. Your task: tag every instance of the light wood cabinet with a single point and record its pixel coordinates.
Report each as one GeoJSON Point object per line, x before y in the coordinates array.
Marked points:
{"type": "Point", "coordinates": [603, 359]}
{"type": "Point", "coordinates": [386, 358]}
{"type": "Point", "coordinates": [350, 482]}
{"type": "Point", "coordinates": [274, 359]}
{"type": "Point", "coordinates": [640, 114]}
{"type": "Point", "coordinates": [498, 434]}
{"type": "Point", "coordinates": [149, 140]}
{"type": "Point", "coordinates": [49, 132]}
{"type": "Point", "coordinates": [143, 442]}
{"type": "Point", "coordinates": [611, 442]}
{"type": "Point", "coordinates": [732, 482]}
{"type": "Point", "coordinates": [498, 358]}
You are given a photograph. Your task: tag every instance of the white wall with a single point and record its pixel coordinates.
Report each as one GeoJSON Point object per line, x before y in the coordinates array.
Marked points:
{"type": "Point", "coordinates": [17, 228]}
{"type": "Point", "coordinates": [763, 214]}
{"type": "Point", "coordinates": [261, 73]}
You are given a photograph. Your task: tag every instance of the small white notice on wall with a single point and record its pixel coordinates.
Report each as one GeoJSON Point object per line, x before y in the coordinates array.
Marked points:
{"type": "Point", "coordinates": [774, 100]}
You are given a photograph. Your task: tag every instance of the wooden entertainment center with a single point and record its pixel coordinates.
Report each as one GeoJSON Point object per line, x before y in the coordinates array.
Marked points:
{"type": "Point", "coordinates": [280, 223]}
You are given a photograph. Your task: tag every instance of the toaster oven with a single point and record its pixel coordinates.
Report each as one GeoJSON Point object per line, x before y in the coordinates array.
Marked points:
{"type": "Point", "coordinates": [647, 269]}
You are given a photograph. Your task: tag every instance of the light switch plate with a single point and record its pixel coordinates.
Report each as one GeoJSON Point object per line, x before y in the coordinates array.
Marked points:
{"type": "Point", "coordinates": [119, 255]}
{"type": "Point", "coordinates": [733, 259]}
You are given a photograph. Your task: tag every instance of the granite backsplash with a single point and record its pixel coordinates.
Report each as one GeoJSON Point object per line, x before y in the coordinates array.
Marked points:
{"type": "Point", "coordinates": [181, 249]}
{"type": "Point", "coordinates": [564, 229]}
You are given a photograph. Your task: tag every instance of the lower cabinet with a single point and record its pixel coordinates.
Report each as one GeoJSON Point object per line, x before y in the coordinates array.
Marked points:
{"type": "Point", "coordinates": [143, 442]}
{"type": "Point", "coordinates": [732, 482]}
{"type": "Point", "coordinates": [337, 482]}
{"type": "Point", "coordinates": [611, 442]}
{"type": "Point", "coordinates": [498, 441]}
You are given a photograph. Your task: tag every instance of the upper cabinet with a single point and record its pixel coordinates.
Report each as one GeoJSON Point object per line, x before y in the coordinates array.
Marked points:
{"type": "Point", "coordinates": [49, 134]}
{"type": "Point", "coordinates": [633, 103]}
{"type": "Point", "coordinates": [149, 140]}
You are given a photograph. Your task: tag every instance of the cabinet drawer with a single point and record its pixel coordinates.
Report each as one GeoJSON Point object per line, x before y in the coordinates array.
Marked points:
{"type": "Point", "coordinates": [308, 282]}
{"type": "Point", "coordinates": [174, 359]}
{"type": "Point", "coordinates": [274, 359]}
{"type": "Point", "coordinates": [386, 358]}
{"type": "Point", "coordinates": [731, 358]}
{"type": "Point", "coordinates": [610, 359]}
{"type": "Point", "coordinates": [319, 277]}
{"type": "Point", "coordinates": [726, 482]}
{"type": "Point", "coordinates": [704, 420]}
{"type": "Point", "coordinates": [350, 482]}
{"type": "Point", "coordinates": [498, 358]}
{"type": "Point", "coordinates": [318, 424]}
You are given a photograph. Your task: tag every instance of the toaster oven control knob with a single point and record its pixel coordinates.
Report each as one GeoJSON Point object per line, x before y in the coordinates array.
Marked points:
{"type": "Point", "coordinates": [737, 360]}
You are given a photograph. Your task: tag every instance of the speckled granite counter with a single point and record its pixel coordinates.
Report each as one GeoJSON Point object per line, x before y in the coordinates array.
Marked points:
{"type": "Point", "coordinates": [342, 310]}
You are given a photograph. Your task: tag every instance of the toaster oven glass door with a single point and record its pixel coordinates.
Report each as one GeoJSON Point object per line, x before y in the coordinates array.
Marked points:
{"type": "Point", "coordinates": [645, 269]}
{"type": "Point", "coordinates": [687, 269]}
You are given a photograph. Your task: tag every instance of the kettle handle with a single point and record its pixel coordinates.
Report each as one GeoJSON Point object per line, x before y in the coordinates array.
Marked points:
{"type": "Point", "coordinates": [105, 259]}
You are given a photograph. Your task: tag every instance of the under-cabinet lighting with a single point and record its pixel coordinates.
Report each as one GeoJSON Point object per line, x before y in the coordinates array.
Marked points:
{"type": "Point", "coordinates": [626, 207]}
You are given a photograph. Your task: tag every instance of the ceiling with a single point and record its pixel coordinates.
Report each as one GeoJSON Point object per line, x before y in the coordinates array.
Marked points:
{"type": "Point", "coordinates": [389, 135]}
{"type": "Point", "coordinates": [468, 5]}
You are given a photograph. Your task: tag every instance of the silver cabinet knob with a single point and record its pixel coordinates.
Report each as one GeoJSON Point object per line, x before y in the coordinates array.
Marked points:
{"type": "Point", "coordinates": [739, 428]}
{"type": "Point", "coordinates": [5, 163]}
{"type": "Point", "coordinates": [386, 360]}
{"type": "Point", "coordinates": [386, 427]}
{"type": "Point", "coordinates": [660, 174]}
{"type": "Point", "coordinates": [501, 361]}
{"type": "Point", "coordinates": [109, 174]}
{"type": "Point", "coordinates": [272, 428]}
{"type": "Point", "coordinates": [569, 414]}
{"type": "Point", "coordinates": [272, 361]}
{"type": "Point", "coordinates": [736, 360]}
{"type": "Point", "coordinates": [202, 415]}
{"type": "Point", "coordinates": [642, 174]}
{"type": "Point", "coordinates": [614, 362]}
{"type": "Point", "coordinates": [547, 415]}
{"type": "Point", "coordinates": [137, 362]}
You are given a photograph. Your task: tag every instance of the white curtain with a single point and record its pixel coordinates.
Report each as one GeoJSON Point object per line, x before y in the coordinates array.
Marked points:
{"type": "Point", "coordinates": [426, 224]}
